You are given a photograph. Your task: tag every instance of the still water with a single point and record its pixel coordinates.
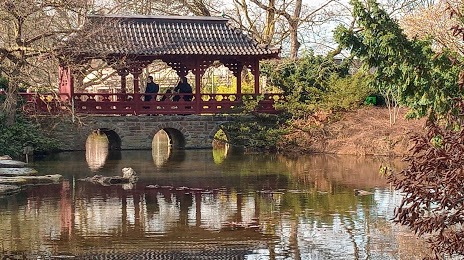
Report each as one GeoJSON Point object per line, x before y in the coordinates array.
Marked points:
{"type": "Point", "coordinates": [207, 204]}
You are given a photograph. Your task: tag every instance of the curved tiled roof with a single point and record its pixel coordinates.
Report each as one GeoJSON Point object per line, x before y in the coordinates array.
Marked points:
{"type": "Point", "coordinates": [158, 36]}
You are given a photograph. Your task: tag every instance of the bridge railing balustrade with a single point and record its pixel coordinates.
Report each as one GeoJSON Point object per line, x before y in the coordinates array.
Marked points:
{"type": "Point", "coordinates": [130, 103]}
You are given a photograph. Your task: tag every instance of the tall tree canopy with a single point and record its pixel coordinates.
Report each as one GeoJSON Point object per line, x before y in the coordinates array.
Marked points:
{"type": "Point", "coordinates": [405, 71]}
{"type": "Point", "coordinates": [426, 81]}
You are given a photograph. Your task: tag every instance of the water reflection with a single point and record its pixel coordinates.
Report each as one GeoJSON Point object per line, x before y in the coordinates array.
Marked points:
{"type": "Point", "coordinates": [247, 207]}
{"type": "Point", "coordinates": [220, 151]}
{"type": "Point", "coordinates": [161, 148]}
{"type": "Point", "coordinates": [96, 150]}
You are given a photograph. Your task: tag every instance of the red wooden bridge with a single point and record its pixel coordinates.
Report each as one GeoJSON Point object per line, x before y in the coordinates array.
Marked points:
{"type": "Point", "coordinates": [130, 44]}
{"type": "Point", "coordinates": [127, 103]}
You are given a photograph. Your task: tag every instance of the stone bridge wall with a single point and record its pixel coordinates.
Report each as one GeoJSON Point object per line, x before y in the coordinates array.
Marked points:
{"type": "Point", "coordinates": [135, 132]}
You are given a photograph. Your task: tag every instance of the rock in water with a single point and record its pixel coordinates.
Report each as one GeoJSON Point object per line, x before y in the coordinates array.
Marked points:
{"type": "Point", "coordinates": [130, 174]}
{"type": "Point", "coordinates": [11, 172]}
{"type": "Point", "coordinates": [9, 189]}
{"type": "Point", "coordinates": [31, 180]}
{"type": "Point", "coordinates": [362, 192]}
{"type": "Point", "coordinates": [11, 164]}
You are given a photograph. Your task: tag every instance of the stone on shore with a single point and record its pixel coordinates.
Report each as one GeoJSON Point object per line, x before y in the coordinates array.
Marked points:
{"type": "Point", "coordinates": [12, 164]}
{"type": "Point", "coordinates": [9, 189]}
{"type": "Point", "coordinates": [31, 180]}
{"type": "Point", "coordinates": [11, 172]}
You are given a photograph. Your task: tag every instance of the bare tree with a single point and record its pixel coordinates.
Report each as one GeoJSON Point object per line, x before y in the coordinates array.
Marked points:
{"type": "Point", "coordinates": [275, 22]}
{"type": "Point", "coordinates": [398, 8]}
{"type": "Point", "coordinates": [283, 20]}
{"type": "Point", "coordinates": [168, 7]}
{"type": "Point", "coordinates": [429, 23]}
{"type": "Point", "coordinates": [30, 31]}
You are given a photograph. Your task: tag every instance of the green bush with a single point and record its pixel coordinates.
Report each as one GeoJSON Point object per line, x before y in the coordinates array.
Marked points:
{"type": "Point", "coordinates": [305, 77]}
{"type": "Point", "coordinates": [256, 132]}
{"type": "Point", "coordinates": [317, 83]}
{"type": "Point", "coordinates": [4, 86]}
{"type": "Point", "coordinates": [23, 133]}
{"type": "Point", "coordinates": [345, 93]}
{"type": "Point", "coordinates": [309, 84]}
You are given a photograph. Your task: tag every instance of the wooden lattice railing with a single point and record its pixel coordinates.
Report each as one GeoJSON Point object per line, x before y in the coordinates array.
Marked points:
{"type": "Point", "coordinates": [129, 103]}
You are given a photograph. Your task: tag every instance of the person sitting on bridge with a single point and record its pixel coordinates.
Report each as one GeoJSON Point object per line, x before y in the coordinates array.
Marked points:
{"type": "Point", "coordinates": [168, 96]}
{"type": "Point", "coordinates": [183, 87]}
{"type": "Point", "coordinates": [151, 88]}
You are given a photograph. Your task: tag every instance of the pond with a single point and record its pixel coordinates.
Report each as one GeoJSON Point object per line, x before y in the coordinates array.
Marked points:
{"type": "Point", "coordinates": [208, 204]}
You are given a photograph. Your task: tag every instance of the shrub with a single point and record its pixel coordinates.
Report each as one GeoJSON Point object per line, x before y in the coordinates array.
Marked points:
{"type": "Point", "coordinates": [345, 93]}
{"type": "Point", "coordinates": [256, 132]}
{"type": "Point", "coordinates": [433, 193]}
{"type": "Point", "coordinates": [23, 133]}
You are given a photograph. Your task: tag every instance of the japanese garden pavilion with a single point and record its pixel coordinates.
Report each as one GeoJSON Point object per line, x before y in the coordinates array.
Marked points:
{"type": "Point", "coordinates": [128, 44]}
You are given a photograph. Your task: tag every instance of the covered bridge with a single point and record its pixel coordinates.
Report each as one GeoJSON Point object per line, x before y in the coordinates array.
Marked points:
{"type": "Point", "coordinates": [128, 44]}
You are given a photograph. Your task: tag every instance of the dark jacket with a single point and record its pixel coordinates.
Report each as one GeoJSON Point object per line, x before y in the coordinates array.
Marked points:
{"type": "Point", "coordinates": [184, 88]}
{"type": "Point", "coordinates": [151, 88]}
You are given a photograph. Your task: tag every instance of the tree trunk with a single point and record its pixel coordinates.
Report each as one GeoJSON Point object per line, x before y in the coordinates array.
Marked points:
{"type": "Point", "coordinates": [9, 106]}
{"type": "Point", "coordinates": [11, 101]}
{"type": "Point", "coordinates": [294, 43]}
{"type": "Point", "coordinates": [270, 23]}
{"type": "Point", "coordinates": [294, 22]}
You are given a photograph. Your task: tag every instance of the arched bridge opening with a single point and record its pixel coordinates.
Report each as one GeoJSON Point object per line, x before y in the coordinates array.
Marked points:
{"type": "Point", "coordinates": [176, 138]}
{"type": "Point", "coordinates": [136, 133]}
{"type": "Point", "coordinates": [114, 141]}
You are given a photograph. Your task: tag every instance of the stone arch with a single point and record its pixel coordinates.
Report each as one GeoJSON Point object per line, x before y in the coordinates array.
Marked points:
{"type": "Point", "coordinates": [178, 135]}
{"type": "Point", "coordinates": [114, 141]}
{"type": "Point", "coordinates": [215, 129]}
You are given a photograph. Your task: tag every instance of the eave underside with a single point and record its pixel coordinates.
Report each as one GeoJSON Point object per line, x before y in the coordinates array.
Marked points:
{"type": "Point", "coordinates": [167, 58]}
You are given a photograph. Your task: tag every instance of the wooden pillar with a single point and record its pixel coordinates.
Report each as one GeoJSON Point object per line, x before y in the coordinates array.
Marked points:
{"type": "Point", "coordinates": [66, 87]}
{"type": "Point", "coordinates": [238, 76]}
{"type": "Point", "coordinates": [197, 87]}
{"type": "Point", "coordinates": [256, 75]}
{"type": "Point", "coordinates": [136, 71]}
{"type": "Point", "coordinates": [136, 75]}
{"type": "Point", "coordinates": [123, 73]}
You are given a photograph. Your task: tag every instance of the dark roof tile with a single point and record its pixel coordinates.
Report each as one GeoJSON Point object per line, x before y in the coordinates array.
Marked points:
{"type": "Point", "coordinates": [157, 36]}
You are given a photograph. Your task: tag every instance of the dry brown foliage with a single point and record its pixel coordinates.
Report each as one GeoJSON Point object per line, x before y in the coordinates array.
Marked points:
{"type": "Point", "coordinates": [433, 189]}
{"type": "Point", "coordinates": [366, 131]}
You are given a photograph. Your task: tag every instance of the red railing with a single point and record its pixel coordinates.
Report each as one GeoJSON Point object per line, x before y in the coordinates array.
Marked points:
{"type": "Point", "coordinates": [160, 104]}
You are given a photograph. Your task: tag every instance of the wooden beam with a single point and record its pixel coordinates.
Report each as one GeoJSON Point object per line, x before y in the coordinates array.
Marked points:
{"type": "Point", "coordinates": [198, 74]}
{"type": "Point", "coordinates": [256, 75]}
{"type": "Point", "coordinates": [123, 73]}
{"type": "Point", "coordinates": [238, 76]}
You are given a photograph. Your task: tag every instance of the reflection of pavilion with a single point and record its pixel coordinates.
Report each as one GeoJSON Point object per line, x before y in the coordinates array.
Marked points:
{"type": "Point", "coordinates": [282, 221]}
{"type": "Point", "coordinates": [159, 211]}
{"type": "Point", "coordinates": [174, 223]}
{"type": "Point", "coordinates": [180, 252]}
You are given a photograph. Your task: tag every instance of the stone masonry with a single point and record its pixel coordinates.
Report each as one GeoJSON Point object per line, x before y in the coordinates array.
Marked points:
{"type": "Point", "coordinates": [136, 132]}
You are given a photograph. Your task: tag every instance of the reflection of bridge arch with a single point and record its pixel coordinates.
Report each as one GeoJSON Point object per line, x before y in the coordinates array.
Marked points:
{"type": "Point", "coordinates": [176, 133]}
